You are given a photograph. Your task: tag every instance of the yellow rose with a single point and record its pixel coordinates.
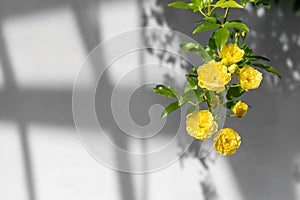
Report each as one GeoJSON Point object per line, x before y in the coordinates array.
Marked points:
{"type": "Point", "coordinates": [240, 109]}
{"type": "Point", "coordinates": [227, 141]}
{"type": "Point", "coordinates": [201, 125]}
{"type": "Point", "coordinates": [213, 76]}
{"type": "Point", "coordinates": [231, 54]}
{"type": "Point", "coordinates": [249, 78]}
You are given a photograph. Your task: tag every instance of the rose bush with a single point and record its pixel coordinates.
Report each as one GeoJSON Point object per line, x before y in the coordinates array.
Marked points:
{"type": "Point", "coordinates": [214, 85]}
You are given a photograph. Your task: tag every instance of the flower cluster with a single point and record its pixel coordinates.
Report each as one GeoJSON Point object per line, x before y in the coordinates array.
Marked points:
{"type": "Point", "coordinates": [215, 76]}
{"type": "Point", "coordinates": [229, 71]}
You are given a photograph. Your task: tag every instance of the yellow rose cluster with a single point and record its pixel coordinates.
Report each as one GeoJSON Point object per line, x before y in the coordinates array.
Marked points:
{"type": "Point", "coordinates": [215, 76]}
{"type": "Point", "coordinates": [248, 77]}
{"type": "Point", "coordinates": [202, 126]}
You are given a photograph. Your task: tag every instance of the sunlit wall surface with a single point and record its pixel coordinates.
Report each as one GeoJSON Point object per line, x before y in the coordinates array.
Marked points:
{"type": "Point", "coordinates": [42, 46]}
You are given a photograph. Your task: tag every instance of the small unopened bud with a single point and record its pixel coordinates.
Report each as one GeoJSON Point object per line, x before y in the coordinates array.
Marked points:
{"type": "Point", "coordinates": [233, 69]}
{"type": "Point", "coordinates": [244, 34]}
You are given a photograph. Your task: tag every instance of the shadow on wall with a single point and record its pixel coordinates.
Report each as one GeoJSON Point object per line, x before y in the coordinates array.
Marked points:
{"type": "Point", "coordinates": [38, 102]}
{"type": "Point", "coordinates": [49, 106]}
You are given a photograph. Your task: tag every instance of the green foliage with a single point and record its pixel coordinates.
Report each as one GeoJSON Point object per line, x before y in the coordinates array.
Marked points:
{"type": "Point", "coordinates": [227, 4]}
{"type": "Point", "coordinates": [244, 2]}
{"type": "Point", "coordinates": [265, 3]}
{"type": "Point", "coordinates": [208, 96]}
{"type": "Point", "coordinates": [257, 3]}
{"type": "Point", "coordinates": [230, 104]}
{"type": "Point", "coordinates": [182, 5]}
{"type": "Point", "coordinates": [170, 108]}
{"type": "Point", "coordinates": [256, 58]}
{"type": "Point", "coordinates": [189, 96]}
{"type": "Point", "coordinates": [236, 25]}
{"type": "Point", "coordinates": [195, 48]}
{"type": "Point", "coordinates": [206, 27]}
{"type": "Point", "coordinates": [213, 20]}
{"type": "Point", "coordinates": [201, 99]}
{"type": "Point", "coordinates": [191, 84]}
{"type": "Point", "coordinates": [221, 37]}
{"type": "Point", "coordinates": [267, 68]}
{"type": "Point", "coordinates": [166, 91]}
{"type": "Point", "coordinates": [234, 92]}
{"type": "Point", "coordinates": [247, 49]}
{"type": "Point", "coordinates": [201, 4]}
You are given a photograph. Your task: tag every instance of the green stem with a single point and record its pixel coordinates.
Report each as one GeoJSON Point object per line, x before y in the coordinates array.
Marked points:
{"type": "Point", "coordinates": [208, 9]}
{"type": "Point", "coordinates": [192, 103]}
{"type": "Point", "coordinates": [200, 10]}
{"type": "Point", "coordinates": [209, 106]}
{"type": "Point", "coordinates": [226, 15]}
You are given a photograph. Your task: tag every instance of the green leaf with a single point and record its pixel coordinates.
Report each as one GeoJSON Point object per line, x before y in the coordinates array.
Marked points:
{"type": "Point", "coordinates": [179, 4]}
{"type": "Point", "coordinates": [265, 3]}
{"type": "Point", "coordinates": [211, 52]}
{"type": "Point", "coordinates": [236, 25]}
{"type": "Point", "coordinates": [192, 84]}
{"type": "Point", "coordinates": [267, 68]}
{"type": "Point", "coordinates": [230, 104]}
{"type": "Point", "coordinates": [166, 91]}
{"type": "Point", "coordinates": [244, 2]}
{"type": "Point", "coordinates": [170, 108]}
{"type": "Point", "coordinates": [234, 92]}
{"type": "Point", "coordinates": [211, 47]}
{"type": "Point", "coordinates": [247, 49]}
{"type": "Point", "coordinates": [194, 70]}
{"type": "Point", "coordinates": [255, 58]}
{"type": "Point", "coordinates": [189, 96]}
{"type": "Point", "coordinates": [191, 109]}
{"type": "Point", "coordinates": [209, 96]}
{"type": "Point", "coordinates": [196, 49]}
{"type": "Point", "coordinates": [221, 37]}
{"type": "Point", "coordinates": [228, 4]}
{"type": "Point", "coordinates": [212, 20]}
{"type": "Point", "coordinates": [196, 2]}
{"type": "Point", "coordinates": [206, 27]}
{"type": "Point", "coordinates": [183, 5]}
{"type": "Point", "coordinates": [212, 43]}
{"type": "Point", "coordinates": [200, 99]}
{"type": "Point", "coordinates": [235, 20]}
{"type": "Point", "coordinates": [202, 3]}
{"type": "Point", "coordinates": [199, 22]}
